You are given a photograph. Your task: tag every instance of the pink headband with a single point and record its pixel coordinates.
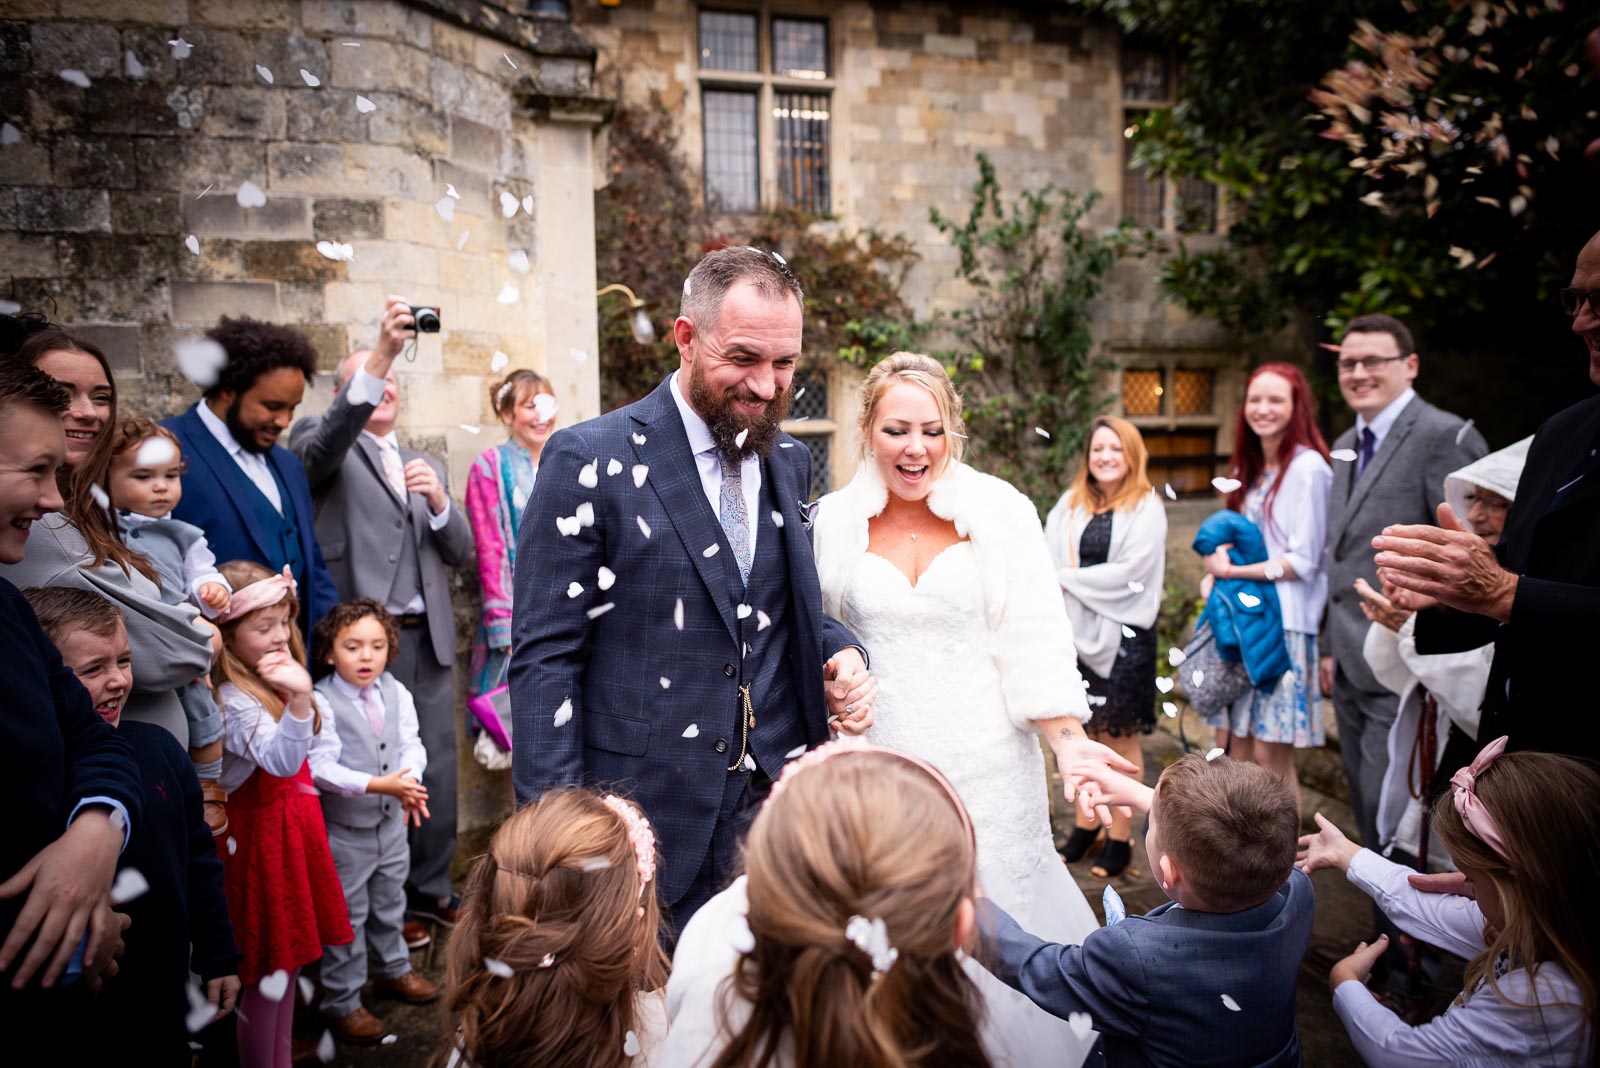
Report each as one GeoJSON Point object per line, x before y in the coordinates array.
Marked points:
{"type": "Point", "coordinates": [1473, 814]}
{"type": "Point", "coordinates": [640, 835]}
{"type": "Point", "coordinates": [260, 594]}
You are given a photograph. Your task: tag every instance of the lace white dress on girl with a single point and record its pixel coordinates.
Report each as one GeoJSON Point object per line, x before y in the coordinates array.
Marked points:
{"type": "Point", "coordinates": [965, 660]}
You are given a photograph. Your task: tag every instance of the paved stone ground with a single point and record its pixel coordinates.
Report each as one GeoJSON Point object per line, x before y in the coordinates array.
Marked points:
{"type": "Point", "coordinates": [1343, 918]}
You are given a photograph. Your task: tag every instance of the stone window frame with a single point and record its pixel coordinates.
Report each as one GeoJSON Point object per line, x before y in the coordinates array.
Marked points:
{"type": "Point", "coordinates": [837, 424]}
{"type": "Point", "coordinates": [1224, 409]}
{"type": "Point", "coordinates": [766, 84]}
{"type": "Point", "coordinates": [1171, 189]}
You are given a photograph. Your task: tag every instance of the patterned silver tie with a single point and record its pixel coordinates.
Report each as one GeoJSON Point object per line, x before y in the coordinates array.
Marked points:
{"type": "Point", "coordinates": [735, 515]}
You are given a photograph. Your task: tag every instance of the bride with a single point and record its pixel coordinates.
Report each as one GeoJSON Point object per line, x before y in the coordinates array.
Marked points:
{"type": "Point", "coordinates": [944, 574]}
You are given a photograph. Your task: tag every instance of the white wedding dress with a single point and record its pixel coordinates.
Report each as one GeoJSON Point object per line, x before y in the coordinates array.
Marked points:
{"type": "Point", "coordinates": [939, 699]}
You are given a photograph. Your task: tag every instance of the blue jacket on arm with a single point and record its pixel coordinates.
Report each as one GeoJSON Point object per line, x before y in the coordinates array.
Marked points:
{"type": "Point", "coordinates": [1247, 628]}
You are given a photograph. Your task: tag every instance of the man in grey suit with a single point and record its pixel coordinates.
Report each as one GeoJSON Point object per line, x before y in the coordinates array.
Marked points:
{"type": "Point", "coordinates": [388, 530]}
{"type": "Point", "coordinates": [1404, 447]}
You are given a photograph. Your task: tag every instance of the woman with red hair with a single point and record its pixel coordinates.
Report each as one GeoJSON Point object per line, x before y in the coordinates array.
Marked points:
{"type": "Point", "coordinates": [1281, 464]}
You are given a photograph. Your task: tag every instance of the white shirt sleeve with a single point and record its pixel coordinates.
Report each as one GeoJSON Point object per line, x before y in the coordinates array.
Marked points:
{"type": "Point", "coordinates": [199, 568]}
{"type": "Point", "coordinates": [364, 387]}
{"type": "Point", "coordinates": [412, 754]}
{"type": "Point", "coordinates": [278, 747]}
{"type": "Point", "coordinates": [1448, 921]}
{"type": "Point", "coordinates": [326, 748]}
{"type": "Point", "coordinates": [437, 522]}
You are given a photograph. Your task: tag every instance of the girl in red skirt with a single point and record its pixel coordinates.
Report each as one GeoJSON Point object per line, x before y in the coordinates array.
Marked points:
{"type": "Point", "coordinates": [283, 892]}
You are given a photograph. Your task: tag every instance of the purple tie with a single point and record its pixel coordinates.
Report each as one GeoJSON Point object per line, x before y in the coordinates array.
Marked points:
{"type": "Point", "coordinates": [369, 698]}
{"type": "Point", "coordinates": [1369, 441]}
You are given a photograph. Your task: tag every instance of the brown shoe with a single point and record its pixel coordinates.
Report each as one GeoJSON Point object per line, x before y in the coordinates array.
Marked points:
{"type": "Point", "coordinates": [360, 1028]}
{"type": "Point", "coordinates": [410, 987]}
{"type": "Point", "coordinates": [215, 801]}
{"type": "Point", "coordinates": [416, 935]}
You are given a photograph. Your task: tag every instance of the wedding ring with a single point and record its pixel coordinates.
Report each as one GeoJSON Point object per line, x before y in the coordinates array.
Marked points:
{"type": "Point", "coordinates": [849, 708]}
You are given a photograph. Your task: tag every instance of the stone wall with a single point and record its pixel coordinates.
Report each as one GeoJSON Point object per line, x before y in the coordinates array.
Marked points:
{"type": "Point", "coordinates": [354, 118]}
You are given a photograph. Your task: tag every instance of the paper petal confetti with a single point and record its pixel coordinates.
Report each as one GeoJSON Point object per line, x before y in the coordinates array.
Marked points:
{"type": "Point", "coordinates": [749, 762]}
{"type": "Point", "coordinates": [777, 519]}
{"type": "Point", "coordinates": [640, 473]}
{"type": "Point", "coordinates": [677, 614]}
{"type": "Point", "coordinates": [547, 960]}
{"type": "Point", "coordinates": [585, 514]}
{"type": "Point", "coordinates": [1272, 570]}
{"type": "Point", "coordinates": [498, 361]}
{"type": "Point", "coordinates": [600, 609]}
{"type": "Point", "coordinates": [1462, 433]}
{"type": "Point", "coordinates": [1164, 683]}
{"type": "Point", "coordinates": [508, 204]}
{"type": "Point", "coordinates": [266, 75]}
{"type": "Point", "coordinates": [798, 750]}
{"type": "Point", "coordinates": [446, 207]}
{"type": "Point", "coordinates": [518, 261]}
{"type": "Point", "coordinates": [1230, 1004]}
{"type": "Point", "coordinates": [507, 57]}
{"type": "Point", "coordinates": [1115, 910]}
{"type": "Point", "coordinates": [9, 134]}
{"type": "Point", "coordinates": [1081, 1022]}
{"type": "Point", "coordinates": [180, 48]}
{"type": "Point", "coordinates": [1042, 432]}
{"type": "Point", "coordinates": [589, 474]}
{"type": "Point", "coordinates": [644, 528]}
{"type": "Point", "coordinates": [391, 1038]}
{"type": "Point", "coordinates": [638, 439]}
{"type": "Point", "coordinates": [1343, 455]}
{"type": "Point", "coordinates": [461, 242]}
{"type": "Point", "coordinates": [544, 406]}
{"type": "Point", "coordinates": [192, 243]}
{"type": "Point", "coordinates": [763, 621]}
{"type": "Point", "coordinates": [1225, 485]}
{"type": "Point", "coordinates": [233, 845]}
{"type": "Point", "coordinates": [336, 250]}
{"type": "Point", "coordinates": [711, 550]}
{"type": "Point", "coordinates": [308, 990]}
{"type": "Point", "coordinates": [606, 579]}
{"type": "Point", "coordinates": [365, 106]}
{"type": "Point", "coordinates": [129, 884]}
{"type": "Point", "coordinates": [1249, 600]}
{"type": "Point", "coordinates": [156, 452]}
{"type": "Point", "coordinates": [743, 611]}
{"type": "Point", "coordinates": [309, 78]}
{"type": "Point", "coordinates": [75, 77]}
{"type": "Point", "coordinates": [325, 1047]}
{"type": "Point", "coordinates": [1198, 678]}
{"type": "Point", "coordinates": [1176, 656]}
{"type": "Point", "coordinates": [1135, 585]}
{"type": "Point", "coordinates": [1128, 632]}
{"type": "Point", "coordinates": [1213, 754]}
{"type": "Point", "coordinates": [692, 731]}
{"type": "Point", "coordinates": [131, 65]}
{"type": "Point", "coordinates": [201, 1012]}
{"type": "Point", "coordinates": [1170, 708]}
{"type": "Point", "coordinates": [527, 203]}
{"type": "Point", "coordinates": [508, 294]}
{"type": "Point", "coordinates": [200, 359]}
{"type": "Point", "coordinates": [563, 714]}
{"type": "Point", "coordinates": [739, 438]}
{"type": "Point", "coordinates": [613, 465]}
{"type": "Point", "coordinates": [471, 429]}
{"type": "Point", "coordinates": [594, 864]}
{"type": "Point", "coordinates": [630, 1041]}
{"type": "Point", "coordinates": [497, 968]}
{"type": "Point", "coordinates": [1171, 493]}
{"type": "Point", "coordinates": [578, 355]}
{"type": "Point", "coordinates": [250, 195]}
{"type": "Point", "coordinates": [574, 589]}
{"type": "Point", "coordinates": [666, 683]}
{"type": "Point", "coordinates": [274, 986]}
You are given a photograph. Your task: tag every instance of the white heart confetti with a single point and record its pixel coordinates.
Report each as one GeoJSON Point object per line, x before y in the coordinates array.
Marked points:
{"type": "Point", "coordinates": [508, 204]}
{"type": "Point", "coordinates": [630, 1041]}
{"type": "Point", "coordinates": [589, 474]}
{"type": "Point", "coordinates": [363, 105]}
{"type": "Point", "coordinates": [544, 406]}
{"type": "Point", "coordinates": [872, 938]}
{"type": "Point", "coordinates": [498, 361]}
{"type": "Point", "coordinates": [233, 846]}
{"type": "Point", "coordinates": [613, 465]}
{"type": "Point", "coordinates": [450, 191]}
{"type": "Point", "coordinates": [743, 611]}
{"type": "Point", "coordinates": [749, 762]}
{"type": "Point", "coordinates": [9, 134]}
{"type": "Point", "coordinates": [508, 294]}
{"type": "Point", "coordinates": [250, 195]}
{"type": "Point", "coordinates": [644, 528]}
{"type": "Point", "coordinates": [461, 242]}
{"type": "Point", "coordinates": [180, 48]}
{"type": "Point", "coordinates": [131, 65]}
{"type": "Point", "coordinates": [1462, 433]}
{"type": "Point", "coordinates": [1164, 683]}
{"type": "Point", "coordinates": [274, 986]}
{"type": "Point", "coordinates": [574, 589]}
{"type": "Point", "coordinates": [308, 990]}
{"type": "Point", "coordinates": [692, 731]}
{"type": "Point", "coordinates": [103, 501]}
{"type": "Point", "coordinates": [1042, 432]}
{"type": "Point", "coordinates": [1345, 455]}
{"type": "Point", "coordinates": [763, 621]}
{"type": "Point", "coordinates": [201, 1012]}
{"type": "Point", "coordinates": [518, 261]}
{"type": "Point", "coordinates": [129, 884]}
{"type": "Point", "coordinates": [600, 609]}
{"type": "Point", "coordinates": [739, 438]}
{"type": "Point", "coordinates": [677, 614]}
{"type": "Point", "coordinates": [1272, 570]}
{"type": "Point", "coordinates": [1169, 708]}
{"type": "Point", "coordinates": [325, 1047]}
{"type": "Point", "coordinates": [666, 683]}
{"type": "Point", "coordinates": [1171, 493]}
{"type": "Point", "coordinates": [711, 550]}
{"type": "Point", "coordinates": [547, 960]}
{"type": "Point", "coordinates": [497, 967]}
{"type": "Point", "coordinates": [76, 77]}
{"type": "Point", "coordinates": [1213, 754]}
{"type": "Point", "coordinates": [607, 578]}
{"type": "Point", "coordinates": [1230, 1004]}
{"type": "Point", "coordinates": [1135, 586]}
{"type": "Point", "coordinates": [640, 473]}
{"type": "Point", "coordinates": [796, 751]}
{"type": "Point", "coordinates": [335, 250]}
{"type": "Point", "coordinates": [1081, 1023]}
{"type": "Point", "coordinates": [309, 78]}
{"type": "Point", "coordinates": [469, 428]}
{"type": "Point", "coordinates": [1226, 485]}
{"type": "Point", "coordinates": [568, 524]}
{"type": "Point", "coordinates": [155, 451]}
{"type": "Point", "coordinates": [638, 439]}
{"type": "Point", "coordinates": [1198, 678]}
{"type": "Point", "coordinates": [266, 75]}
{"type": "Point", "coordinates": [1128, 632]}
{"type": "Point", "coordinates": [585, 514]}
{"type": "Point", "coordinates": [1176, 656]}
{"type": "Point", "coordinates": [192, 243]}
{"type": "Point", "coordinates": [777, 519]}
{"type": "Point", "coordinates": [446, 207]}
{"type": "Point", "coordinates": [1249, 600]}
{"type": "Point", "coordinates": [563, 714]}
{"type": "Point", "coordinates": [391, 1038]}
{"type": "Point", "coordinates": [527, 203]}
{"type": "Point", "coordinates": [578, 355]}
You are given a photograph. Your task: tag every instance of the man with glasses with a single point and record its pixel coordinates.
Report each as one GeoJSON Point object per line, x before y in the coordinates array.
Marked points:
{"type": "Point", "coordinates": [1536, 594]}
{"type": "Point", "coordinates": [1404, 447]}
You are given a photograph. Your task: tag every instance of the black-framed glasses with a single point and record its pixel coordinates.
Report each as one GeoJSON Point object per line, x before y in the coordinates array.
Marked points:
{"type": "Point", "coordinates": [1573, 300]}
{"type": "Point", "coordinates": [1370, 364]}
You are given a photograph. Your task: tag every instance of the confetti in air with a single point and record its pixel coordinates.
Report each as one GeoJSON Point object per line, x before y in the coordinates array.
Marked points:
{"type": "Point", "coordinates": [600, 609]}
{"type": "Point", "coordinates": [589, 474]}
{"type": "Point", "coordinates": [498, 361]}
{"type": "Point", "coordinates": [1230, 1004]}
{"type": "Point", "coordinates": [131, 65]}
{"type": "Point", "coordinates": [508, 204]}
{"type": "Point", "coordinates": [630, 1045]}
{"type": "Point", "coordinates": [1198, 678]}
{"type": "Point", "coordinates": [100, 497]}
{"type": "Point", "coordinates": [749, 762]}
{"type": "Point", "coordinates": [274, 986]}
{"type": "Point", "coordinates": [1171, 493]}
{"type": "Point", "coordinates": [640, 473]}
{"type": "Point", "coordinates": [739, 438]}
{"type": "Point", "coordinates": [446, 207]}
{"type": "Point", "coordinates": [1042, 432]}
{"type": "Point", "coordinates": [638, 439]}
{"type": "Point", "coordinates": [308, 990]}
{"type": "Point", "coordinates": [578, 355]}
{"type": "Point", "coordinates": [711, 550]}
{"type": "Point", "coordinates": [547, 960]}
{"type": "Point", "coordinates": [204, 191]}
{"type": "Point", "coordinates": [266, 75]}
{"type": "Point", "coordinates": [201, 1011]}
{"type": "Point", "coordinates": [518, 261]}
{"type": "Point", "coordinates": [1136, 586]}
{"type": "Point", "coordinates": [743, 611]}
{"type": "Point", "coordinates": [75, 77]}
{"type": "Point", "coordinates": [644, 528]}
{"type": "Point", "coordinates": [1176, 656]}
{"type": "Point", "coordinates": [250, 195]}
{"type": "Point", "coordinates": [1272, 570]}
{"type": "Point", "coordinates": [574, 589]}
{"type": "Point", "coordinates": [1462, 433]}
{"type": "Point", "coordinates": [1225, 485]}
{"type": "Point", "coordinates": [9, 134]}
{"type": "Point", "coordinates": [796, 751]}
{"type": "Point", "coordinates": [677, 614]}
{"type": "Point", "coordinates": [1164, 683]}
{"type": "Point", "coordinates": [497, 968]}
{"type": "Point", "coordinates": [351, 44]}
{"type": "Point", "coordinates": [1249, 600]}
{"type": "Point", "coordinates": [527, 203]}
{"type": "Point", "coordinates": [365, 106]}
{"type": "Point", "coordinates": [613, 465]}
{"type": "Point", "coordinates": [872, 938]}
{"type": "Point", "coordinates": [309, 78]}
{"type": "Point", "coordinates": [763, 621]}
{"type": "Point", "coordinates": [155, 452]}
{"type": "Point", "coordinates": [192, 243]}
{"type": "Point", "coordinates": [563, 714]}
{"type": "Point", "coordinates": [180, 48]}
{"type": "Point", "coordinates": [1342, 455]}
{"type": "Point", "coordinates": [1081, 1022]}
{"type": "Point", "coordinates": [509, 62]}
{"type": "Point", "coordinates": [508, 294]}
{"type": "Point", "coordinates": [325, 1047]}
{"type": "Point", "coordinates": [469, 428]}
{"type": "Point", "coordinates": [1170, 708]}
{"type": "Point", "coordinates": [777, 519]}
{"type": "Point", "coordinates": [336, 250]}
{"type": "Point", "coordinates": [1115, 910]}
{"type": "Point", "coordinates": [129, 884]}
{"type": "Point", "coordinates": [1128, 632]}
{"type": "Point", "coordinates": [389, 1039]}
{"type": "Point", "coordinates": [692, 731]}
{"type": "Point", "coordinates": [606, 579]}
{"type": "Point", "coordinates": [594, 864]}
{"type": "Point", "coordinates": [666, 683]}
{"type": "Point", "coordinates": [233, 846]}
{"type": "Point", "coordinates": [450, 191]}
{"type": "Point", "coordinates": [1213, 754]}
{"type": "Point", "coordinates": [585, 514]}
{"type": "Point", "coordinates": [461, 242]}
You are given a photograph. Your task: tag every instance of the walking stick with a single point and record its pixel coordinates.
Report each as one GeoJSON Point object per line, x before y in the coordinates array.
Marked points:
{"type": "Point", "coordinates": [1429, 732]}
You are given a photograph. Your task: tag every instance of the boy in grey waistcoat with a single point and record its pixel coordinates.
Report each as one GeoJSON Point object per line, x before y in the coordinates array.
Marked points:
{"type": "Point", "coordinates": [146, 483]}
{"type": "Point", "coordinates": [368, 761]}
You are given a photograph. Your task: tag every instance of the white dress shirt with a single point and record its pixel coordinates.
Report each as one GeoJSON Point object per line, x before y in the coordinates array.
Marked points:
{"type": "Point", "coordinates": [328, 773]}
{"type": "Point", "coordinates": [251, 738]}
{"type": "Point", "coordinates": [253, 464]}
{"type": "Point", "coordinates": [709, 461]}
{"type": "Point", "coordinates": [1384, 420]}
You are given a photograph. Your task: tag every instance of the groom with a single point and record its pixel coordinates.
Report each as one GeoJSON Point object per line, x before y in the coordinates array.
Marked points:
{"type": "Point", "coordinates": [668, 640]}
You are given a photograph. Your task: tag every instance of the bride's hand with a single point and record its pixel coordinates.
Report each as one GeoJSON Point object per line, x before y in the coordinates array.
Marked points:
{"type": "Point", "coordinates": [1072, 748]}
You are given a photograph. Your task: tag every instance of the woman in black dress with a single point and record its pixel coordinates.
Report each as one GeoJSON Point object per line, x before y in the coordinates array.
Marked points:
{"type": "Point", "coordinates": [1108, 537]}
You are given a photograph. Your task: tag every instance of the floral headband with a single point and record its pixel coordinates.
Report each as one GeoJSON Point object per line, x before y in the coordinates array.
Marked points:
{"type": "Point", "coordinates": [262, 593]}
{"type": "Point", "coordinates": [640, 835]}
{"type": "Point", "coordinates": [1473, 813]}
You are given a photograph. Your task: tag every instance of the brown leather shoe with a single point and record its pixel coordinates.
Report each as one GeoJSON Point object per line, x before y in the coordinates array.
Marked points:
{"type": "Point", "coordinates": [410, 987]}
{"type": "Point", "coordinates": [214, 799]}
{"type": "Point", "coordinates": [360, 1028]}
{"type": "Point", "coordinates": [416, 935]}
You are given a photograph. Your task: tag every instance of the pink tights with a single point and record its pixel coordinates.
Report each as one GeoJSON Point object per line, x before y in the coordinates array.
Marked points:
{"type": "Point", "coordinates": [266, 1027]}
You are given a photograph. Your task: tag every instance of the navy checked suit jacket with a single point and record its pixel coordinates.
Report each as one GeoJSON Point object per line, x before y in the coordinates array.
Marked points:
{"type": "Point", "coordinates": [626, 730]}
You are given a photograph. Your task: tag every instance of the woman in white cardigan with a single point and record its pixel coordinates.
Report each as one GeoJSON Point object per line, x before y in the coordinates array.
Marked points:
{"type": "Point", "coordinates": [1281, 464]}
{"type": "Point", "coordinates": [944, 575]}
{"type": "Point", "coordinates": [1108, 537]}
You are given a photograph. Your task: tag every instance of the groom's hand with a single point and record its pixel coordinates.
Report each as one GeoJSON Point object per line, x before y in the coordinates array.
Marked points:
{"type": "Point", "coordinates": [850, 690]}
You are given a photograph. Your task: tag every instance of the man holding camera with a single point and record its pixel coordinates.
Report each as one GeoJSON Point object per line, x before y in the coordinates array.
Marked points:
{"type": "Point", "coordinates": [389, 530]}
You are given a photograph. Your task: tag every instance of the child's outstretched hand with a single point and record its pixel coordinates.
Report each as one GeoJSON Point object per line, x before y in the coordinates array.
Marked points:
{"type": "Point", "coordinates": [400, 785]}
{"type": "Point", "coordinates": [1328, 848]}
{"type": "Point", "coordinates": [416, 812]}
{"type": "Point", "coordinates": [215, 596]}
{"type": "Point", "coordinates": [1358, 965]}
{"type": "Point", "coordinates": [284, 674]}
{"type": "Point", "coordinates": [1102, 788]}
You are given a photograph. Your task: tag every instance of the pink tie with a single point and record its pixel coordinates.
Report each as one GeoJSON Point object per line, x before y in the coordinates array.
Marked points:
{"type": "Point", "coordinates": [392, 468]}
{"type": "Point", "coordinates": [369, 697]}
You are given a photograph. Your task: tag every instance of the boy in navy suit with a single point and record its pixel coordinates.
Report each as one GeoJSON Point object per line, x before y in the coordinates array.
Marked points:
{"type": "Point", "coordinates": [1208, 979]}
{"type": "Point", "coordinates": [170, 876]}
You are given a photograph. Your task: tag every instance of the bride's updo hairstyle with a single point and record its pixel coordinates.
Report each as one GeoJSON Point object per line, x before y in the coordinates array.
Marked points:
{"type": "Point", "coordinates": [557, 934]}
{"type": "Point", "coordinates": [924, 371]}
{"type": "Point", "coordinates": [853, 837]}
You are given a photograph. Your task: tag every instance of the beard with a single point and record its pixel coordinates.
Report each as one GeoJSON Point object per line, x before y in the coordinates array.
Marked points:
{"type": "Point", "coordinates": [243, 434]}
{"type": "Point", "coordinates": [726, 424]}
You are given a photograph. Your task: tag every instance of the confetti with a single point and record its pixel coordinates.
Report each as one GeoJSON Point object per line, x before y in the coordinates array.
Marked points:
{"type": "Point", "coordinates": [798, 750]}
{"type": "Point", "coordinates": [1136, 586]}
{"type": "Point", "coordinates": [250, 195]}
{"type": "Point", "coordinates": [201, 1012]}
{"type": "Point", "coordinates": [872, 938]}
{"type": "Point", "coordinates": [1164, 683]}
{"type": "Point", "coordinates": [692, 731]}
{"type": "Point", "coordinates": [563, 714]}
{"type": "Point", "coordinates": [507, 57]}
{"type": "Point", "coordinates": [666, 683]}
{"type": "Point", "coordinates": [630, 1045]}
{"type": "Point", "coordinates": [192, 243]}
{"type": "Point", "coordinates": [1042, 432]}
{"type": "Point", "coordinates": [266, 75]}
{"type": "Point", "coordinates": [1213, 754]}
{"type": "Point", "coordinates": [365, 106]}
{"type": "Point", "coordinates": [508, 204]}
{"type": "Point", "coordinates": [1171, 493]}
{"type": "Point", "coordinates": [640, 473]}
{"type": "Point", "coordinates": [763, 621]}
{"type": "Point", "coordinates": [450, 191]}
{"type": "Point", "coordinates": [131, 65]}
{"type": "Point", "coordinates": [1176, 656]}
{"type": "Point", "coordinates": [600, 609]}
{"type": "Point", "coordinates": [594, 864]}
{"type": "Point", "coordinates": [613, 466]}
{"type": "Point", "coordinates": [785, 444]}
{"type": "Point", "coordinates": [9, 134]}
{"type": "Point", "coordinates": [129, 884]}
{"type": "Point", "coordinates": [1198, 678]}
{"type": "Point", "coordinates": [180, 48]}
{"type": "Point", "coordinates": [1081, 1022]}
{"type": "Point", "coordinates": [498, 361]}
{"type": "Point", "coordinates": [1342, 455]}
{"type": "Point", "coordinates": [585, 514]}
{"type": "Point", "coordinates": [469, 428]}
{"type": "Point", "coordinates": [574, 589]}
{"type": "Point", "coordinates": [1272, 570]}
{"type": "Point", "coordinates": [639, 439]}
{"type": "Point", "coordinates": [274, 986]}
{"type": "Point", "coordinates": [309, 78]}
{"type": "Point", "coordinates": [461, 242]}
{"type": "Point", "coordinates": [1462, 433]}
{"type": "Point", "coordinates": [677, 614]}
{"type": "Point", "coordinates": [351, 44]}
{"type": "Point", "coordinates": [607, 578]}
{"type": "Point", "coordinates": [1115, 911]}
{"type": "Point", "coordinates": [1249, 600]}
{"type": "Point", "coordinates": [644, 528]}
{"type": "Point", "coordinates": [325, 1047]}
{"type": "Point", "coordinates": [99, 496]}
{"type": "Point", "coordinates": [498, 967]}
{"type": "Point", "coordinates": [446, 207]}
{"type": "Point", "coordinates": [1230, 1004]}
{"type": "Point", "coordinates": [1170, 708]}
{"type": "Point", "coordinates": [518, 261]}
{"type": "Point", "coordinates": [527, 203]}
{"type": "Point", "coordinates": [155, 452]}
{"type": "Point", "coordinates": [777, 519]}
{"type": "Point", "coordinates": [743, 611]}
{"type": "Point", "coordinates": [1225, 485]}
{"type": "Point", "coordinates": [711, 550]}
{"type": "Point", "coordinates": [779, 258]}
{"type": "Point", "coordinates": [508, 294]}
{"type": "Point", "coordinates": [547, 960]}
{"type": "Point", "coordinates": [337, 251]}
{"type": "Point", "coordinates": [204, 191]}
{"type": "Point", "coordinates": [75, 77]}
{"type": "Point", "coordinates": [739, 438]}
{"type": "Point", "coordinates": [1128, 632]}
{"type": "Point", "coordinates": [233, 846]}
{"type": "Point", "coordinates": [308, 990]}
{"type": "Point", "coordinates": [749, 762]}
{"type": "Point", "coordinates": [389, 1039]}
{"type": "Point", "coordinates": [589, 474]}
{"type": "Point", "coordinates": [578, 355]}
{"type": "Point", "coordinates": [544, 406]}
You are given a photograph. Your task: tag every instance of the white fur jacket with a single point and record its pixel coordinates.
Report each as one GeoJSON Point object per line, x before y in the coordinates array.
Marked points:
{"type": "Point", "coordinates": [1030, 637]}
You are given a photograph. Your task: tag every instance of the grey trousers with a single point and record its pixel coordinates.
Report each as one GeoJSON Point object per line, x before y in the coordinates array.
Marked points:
{"type": "Point", "coordinates": [1364, 719]}
{"type": "Point", "coordinates": [433, 845]}
{"type": "Point", "coordinates": [372, 863]}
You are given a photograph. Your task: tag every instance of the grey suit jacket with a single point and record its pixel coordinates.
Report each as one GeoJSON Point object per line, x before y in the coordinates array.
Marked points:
{"type": "Point", "coordinates": [358, 517]}
{"type": "Point", "coordinates": [1404, 483]}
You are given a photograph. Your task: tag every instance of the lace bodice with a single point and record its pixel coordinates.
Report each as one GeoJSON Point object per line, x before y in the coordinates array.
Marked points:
{"type": "Point", "coordinates": [939, 699]}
